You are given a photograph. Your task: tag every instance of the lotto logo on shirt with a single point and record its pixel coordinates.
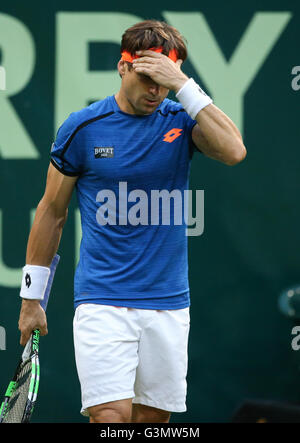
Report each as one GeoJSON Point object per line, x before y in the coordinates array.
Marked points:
{"type": "Point", "coordinates": [155, 207]}
{"type": "Point", "coordinates": [172, 135]}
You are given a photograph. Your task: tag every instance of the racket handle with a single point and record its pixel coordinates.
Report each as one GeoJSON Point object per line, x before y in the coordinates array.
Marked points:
{"type": "Point", "coordinates": [53, 266]}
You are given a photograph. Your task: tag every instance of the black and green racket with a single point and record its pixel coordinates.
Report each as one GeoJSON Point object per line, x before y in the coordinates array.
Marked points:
{"type": "Point", "coordinates": [21, 394]}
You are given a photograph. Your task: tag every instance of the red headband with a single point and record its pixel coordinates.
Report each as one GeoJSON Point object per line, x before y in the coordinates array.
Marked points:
{"type": "Point", "coordinates": [128, 57]}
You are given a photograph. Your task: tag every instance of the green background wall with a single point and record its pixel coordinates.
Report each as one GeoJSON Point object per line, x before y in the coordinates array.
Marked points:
{"type": "Point", "coordinates": [240, 344]}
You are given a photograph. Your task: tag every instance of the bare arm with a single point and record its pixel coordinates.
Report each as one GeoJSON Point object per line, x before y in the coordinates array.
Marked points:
{"type": "Point", "coordinates": [50, 218]}
{"type": "Point", "coordinates": [43, 242]}
{"type": "Point", "coordinates": [217, 136]}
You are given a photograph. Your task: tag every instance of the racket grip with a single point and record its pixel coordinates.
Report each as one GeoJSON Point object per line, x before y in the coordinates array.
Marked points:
{"type": "Point", "coordinates": [53, 266]}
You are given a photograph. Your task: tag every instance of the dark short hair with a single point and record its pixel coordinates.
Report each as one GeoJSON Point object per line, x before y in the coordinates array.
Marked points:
{"type": "Point", "coordinates": [153, 33]}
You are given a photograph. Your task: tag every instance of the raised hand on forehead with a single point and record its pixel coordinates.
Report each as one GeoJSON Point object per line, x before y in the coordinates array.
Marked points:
{"type": "Point", "coordinates": [160, 68]}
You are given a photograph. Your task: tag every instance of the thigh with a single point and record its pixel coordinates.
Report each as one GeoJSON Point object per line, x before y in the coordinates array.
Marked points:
{"type": "Point", "coordinates": [106, 346]}
{"type": "Point", "coordinates": [161, 373]}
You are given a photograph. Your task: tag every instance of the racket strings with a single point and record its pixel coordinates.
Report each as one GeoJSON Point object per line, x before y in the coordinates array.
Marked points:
{"type": "Point", "coordinates": [16, 405]}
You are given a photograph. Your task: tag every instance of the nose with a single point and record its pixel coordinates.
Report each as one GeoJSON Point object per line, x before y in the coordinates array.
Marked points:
{"type": "Point", "coordinates": [154, 89]}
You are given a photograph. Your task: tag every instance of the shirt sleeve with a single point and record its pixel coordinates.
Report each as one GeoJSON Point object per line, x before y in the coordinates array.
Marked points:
{"type": "Point", "coordinates": [66, 155]}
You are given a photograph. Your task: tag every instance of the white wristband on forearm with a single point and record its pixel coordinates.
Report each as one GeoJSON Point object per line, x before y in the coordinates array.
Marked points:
{"type": "Point", "coordinates": [193, 98]}
{"type": "Point", "coordinates": [34, 282]}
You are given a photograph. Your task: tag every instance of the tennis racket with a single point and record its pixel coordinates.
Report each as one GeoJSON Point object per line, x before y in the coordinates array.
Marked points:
{"type": "Point", "coordinates": [21, 394]}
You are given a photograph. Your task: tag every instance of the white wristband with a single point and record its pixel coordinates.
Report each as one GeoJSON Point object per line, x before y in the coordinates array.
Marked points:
{"type": "Point", "coordinates": [193, 98]}
{"type": "Point", "coordinates": [34, 282]}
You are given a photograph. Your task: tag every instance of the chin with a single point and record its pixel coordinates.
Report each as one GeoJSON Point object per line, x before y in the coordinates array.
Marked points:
{"type": "Point", "coordinates": [149, 109]}
{"type": "Point", "coordinates": [144, 111]}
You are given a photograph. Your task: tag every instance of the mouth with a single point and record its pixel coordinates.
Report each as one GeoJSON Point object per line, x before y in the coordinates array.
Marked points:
{"type": "Point", "coordinates": [151, 102]}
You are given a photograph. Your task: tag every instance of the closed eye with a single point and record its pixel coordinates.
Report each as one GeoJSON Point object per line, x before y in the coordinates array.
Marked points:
{"type": "Point", "coordinates": [144, 77]}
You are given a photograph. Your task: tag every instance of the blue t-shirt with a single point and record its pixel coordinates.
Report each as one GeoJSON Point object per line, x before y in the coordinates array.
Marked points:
{"type": "Point", "coordinates": [133, 251]}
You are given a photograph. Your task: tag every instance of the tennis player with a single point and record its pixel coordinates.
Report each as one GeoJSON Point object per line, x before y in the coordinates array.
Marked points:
{"type": "Point", "coordinates": [132, 300]}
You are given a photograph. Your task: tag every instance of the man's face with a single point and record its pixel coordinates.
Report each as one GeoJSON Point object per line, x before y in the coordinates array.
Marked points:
{"type": "Point", "coordinates": [140, 93]}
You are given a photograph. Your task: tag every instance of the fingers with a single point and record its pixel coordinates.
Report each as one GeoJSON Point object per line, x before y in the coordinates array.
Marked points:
{"type": "Point", "coordinates": [144, 59]}
{"type": "Point", "coordinates": [151, 54]}
{"type": "Point", "coordinates": [25, 336]}
{"type": "Point", "coordinates": [145, 65]}
{"type": "Point", "coordinates": [43, 329]}
{"type": "Point", "coordinates": [145, 69]}
{"type": "Point", "coordinates": [26, 333]}
{"type": "Point", "coordinates": [31, 317]}
{"type": "Point", "coordinates": [153, 64]}
{"type": "Point", "coordinates": [153, 57]}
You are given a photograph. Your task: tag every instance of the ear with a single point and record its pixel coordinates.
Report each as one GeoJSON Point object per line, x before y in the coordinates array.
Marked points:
{"type": "Point", "coordinates": [179, 62]}
{"type": "Point", "coordinates": [122, 67]}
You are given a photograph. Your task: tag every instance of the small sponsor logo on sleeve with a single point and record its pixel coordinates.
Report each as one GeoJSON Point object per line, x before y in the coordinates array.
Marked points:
{"type": "Point", "coordinates": [104, 152]}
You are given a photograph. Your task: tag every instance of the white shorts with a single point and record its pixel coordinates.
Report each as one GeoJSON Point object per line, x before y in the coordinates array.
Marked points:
{"type": "Point", "coordinates": [131, 353]}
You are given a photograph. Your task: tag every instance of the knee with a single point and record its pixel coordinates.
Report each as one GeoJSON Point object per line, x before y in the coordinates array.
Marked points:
{"type": "Point", "coordinates": [147, 414]}
{"type": "Point", "coordinates": [110, 414]}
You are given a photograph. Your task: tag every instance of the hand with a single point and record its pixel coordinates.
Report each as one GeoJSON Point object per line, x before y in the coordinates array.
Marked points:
{"type": "Point", "coordinates": [32, 316]}
{"type": "Point", "coordinates": [161, 69]}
